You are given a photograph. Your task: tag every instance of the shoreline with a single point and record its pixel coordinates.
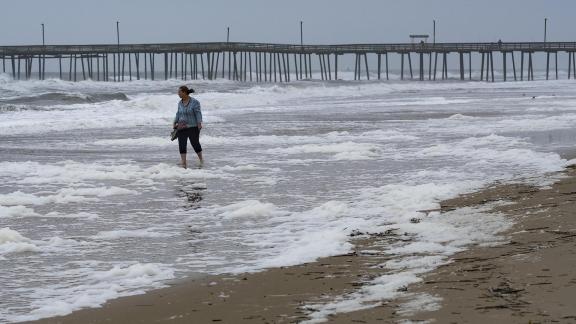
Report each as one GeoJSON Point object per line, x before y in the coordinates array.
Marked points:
{"type": "Point", "coordinates": [505, 283]}
{"type": "Point", "coordinates": [528, 279]}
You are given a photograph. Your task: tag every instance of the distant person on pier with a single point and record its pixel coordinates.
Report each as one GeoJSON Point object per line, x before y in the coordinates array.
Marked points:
{"type": "Point", "coordinates": [188, 121]}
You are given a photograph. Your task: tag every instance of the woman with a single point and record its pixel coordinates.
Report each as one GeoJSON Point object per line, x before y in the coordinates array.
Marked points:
{"type": "Point", "coordinates": [188, 121]}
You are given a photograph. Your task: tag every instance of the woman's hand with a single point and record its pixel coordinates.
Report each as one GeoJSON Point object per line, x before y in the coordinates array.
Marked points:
{"type": "Point", "coordinates": [199, 125]}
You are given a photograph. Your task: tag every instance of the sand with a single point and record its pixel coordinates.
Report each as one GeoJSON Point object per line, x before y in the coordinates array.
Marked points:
{"type": "Point", "coordinates": [529, 279]}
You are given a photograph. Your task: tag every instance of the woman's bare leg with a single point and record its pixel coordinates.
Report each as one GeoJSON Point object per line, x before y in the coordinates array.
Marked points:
{"type": "Point", "coordinates": [183, 158]}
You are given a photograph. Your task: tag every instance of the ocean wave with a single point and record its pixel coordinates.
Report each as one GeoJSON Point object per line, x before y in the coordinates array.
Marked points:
{"type": "Point", "coordinates": [60, 98]}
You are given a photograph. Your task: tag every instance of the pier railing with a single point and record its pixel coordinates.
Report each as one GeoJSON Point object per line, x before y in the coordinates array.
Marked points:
{"type": "Point", "coordinates": [283, 48]}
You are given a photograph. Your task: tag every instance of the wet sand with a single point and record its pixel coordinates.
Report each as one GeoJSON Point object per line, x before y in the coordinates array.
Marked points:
{"type": "Point", "coordinates": [529, 279]}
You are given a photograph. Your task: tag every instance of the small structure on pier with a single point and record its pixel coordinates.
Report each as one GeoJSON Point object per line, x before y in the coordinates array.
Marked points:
{"type": "Point", "coordinates": [419, 38]}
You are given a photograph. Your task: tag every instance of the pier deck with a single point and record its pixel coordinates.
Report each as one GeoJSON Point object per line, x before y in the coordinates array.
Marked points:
{"type": "Point", "coordinates": [262, 62]}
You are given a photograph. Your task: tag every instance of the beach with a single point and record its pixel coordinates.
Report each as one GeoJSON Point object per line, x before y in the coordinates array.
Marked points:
{"type": "Point", "coordinates": [528, 278]}
{"type": "Point", "coordinates": [318, 200]}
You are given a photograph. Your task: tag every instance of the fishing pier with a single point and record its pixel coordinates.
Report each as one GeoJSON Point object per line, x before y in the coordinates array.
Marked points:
{"type": "Point", "coordinates": [260, 62]}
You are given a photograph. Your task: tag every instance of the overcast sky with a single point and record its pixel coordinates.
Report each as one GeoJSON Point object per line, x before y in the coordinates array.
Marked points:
{"type": "Point", "coordinates": [325, 21]}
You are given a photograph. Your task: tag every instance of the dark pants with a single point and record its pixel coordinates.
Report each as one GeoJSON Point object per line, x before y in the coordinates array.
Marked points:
{"type": "Point", "coordinates": [192, 133]}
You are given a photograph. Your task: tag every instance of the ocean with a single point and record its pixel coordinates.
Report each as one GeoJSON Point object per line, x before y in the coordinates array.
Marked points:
{"type": "Point", "coordinates": [93, 205]}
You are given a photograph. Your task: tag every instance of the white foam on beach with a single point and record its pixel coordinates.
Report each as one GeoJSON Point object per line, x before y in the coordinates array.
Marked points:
{"type": "Point", "coordinates": [141, 141]}
{"type": "Point", "coordinates": [331, 141]}
{"type": "Point", "coordinates": [340, 151]}
{"type": "Point", "coordinates": [66, 172]}
{"type": "Point", "coordinates": [16, 211]}
{"type": "Point", "coordinates": [304, 236]}
{"type": "Point", "coordinates": [493, 150]}
{"type": "Point", "coordinates": [15, 245]}
{"type": "Point", "coordinates": [387, 136]}
{"type": "Point", "coordinates": [516, 123]}
{"type": "Point", "coordinates": [63, 196]}
{"type": "Point", "coordinates": [81, 215]}
{"type": "Point", "coordinates": [58, 245]}
{"type": "Point", "coordinates": [296, 237]}
{"type": "Point", "coordinates": [93, 289]}
{"type": "Point", "coordinates": [419, 303]}
{"type": "Point", "coordinates": [383, 288]}
{"type": "Point", "coordinates": [248, 208]}
{"type": "Point", "coordinates": [211, 140]}
{"type": "Point", "coordinates": [434, 240]}
{"type": "Point", "coordinates": [335, 138]}
{"type": "Point", "coordinates": [246, 167]}
{"type": "Point", "coordinates": [12, 241]}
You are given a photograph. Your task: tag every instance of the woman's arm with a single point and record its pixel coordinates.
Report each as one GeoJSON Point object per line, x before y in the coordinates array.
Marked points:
{"type": "Point", "coordinates": [198, 113]}
{"type": "Point", "coordinates": [177, 118]}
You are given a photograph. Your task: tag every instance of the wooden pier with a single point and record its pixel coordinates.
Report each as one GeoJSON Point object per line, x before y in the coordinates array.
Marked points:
{"type": "Point", "coordinates": [259, 62]}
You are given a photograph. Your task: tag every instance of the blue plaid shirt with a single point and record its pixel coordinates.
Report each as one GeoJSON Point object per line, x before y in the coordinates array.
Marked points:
{"type": "Point", "coordinates": [189, 114]}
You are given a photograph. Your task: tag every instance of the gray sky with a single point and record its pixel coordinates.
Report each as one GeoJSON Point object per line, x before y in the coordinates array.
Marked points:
{"type": "Point", "coordinates": [325, 21]}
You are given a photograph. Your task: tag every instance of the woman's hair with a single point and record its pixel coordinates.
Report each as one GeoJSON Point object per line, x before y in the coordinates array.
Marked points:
{"type": "Point", "coordinates": [186, 89]}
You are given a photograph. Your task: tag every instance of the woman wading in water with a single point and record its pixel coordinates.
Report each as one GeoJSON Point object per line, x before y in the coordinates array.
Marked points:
{"type": "Point", "coordinates": [188, 121]}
